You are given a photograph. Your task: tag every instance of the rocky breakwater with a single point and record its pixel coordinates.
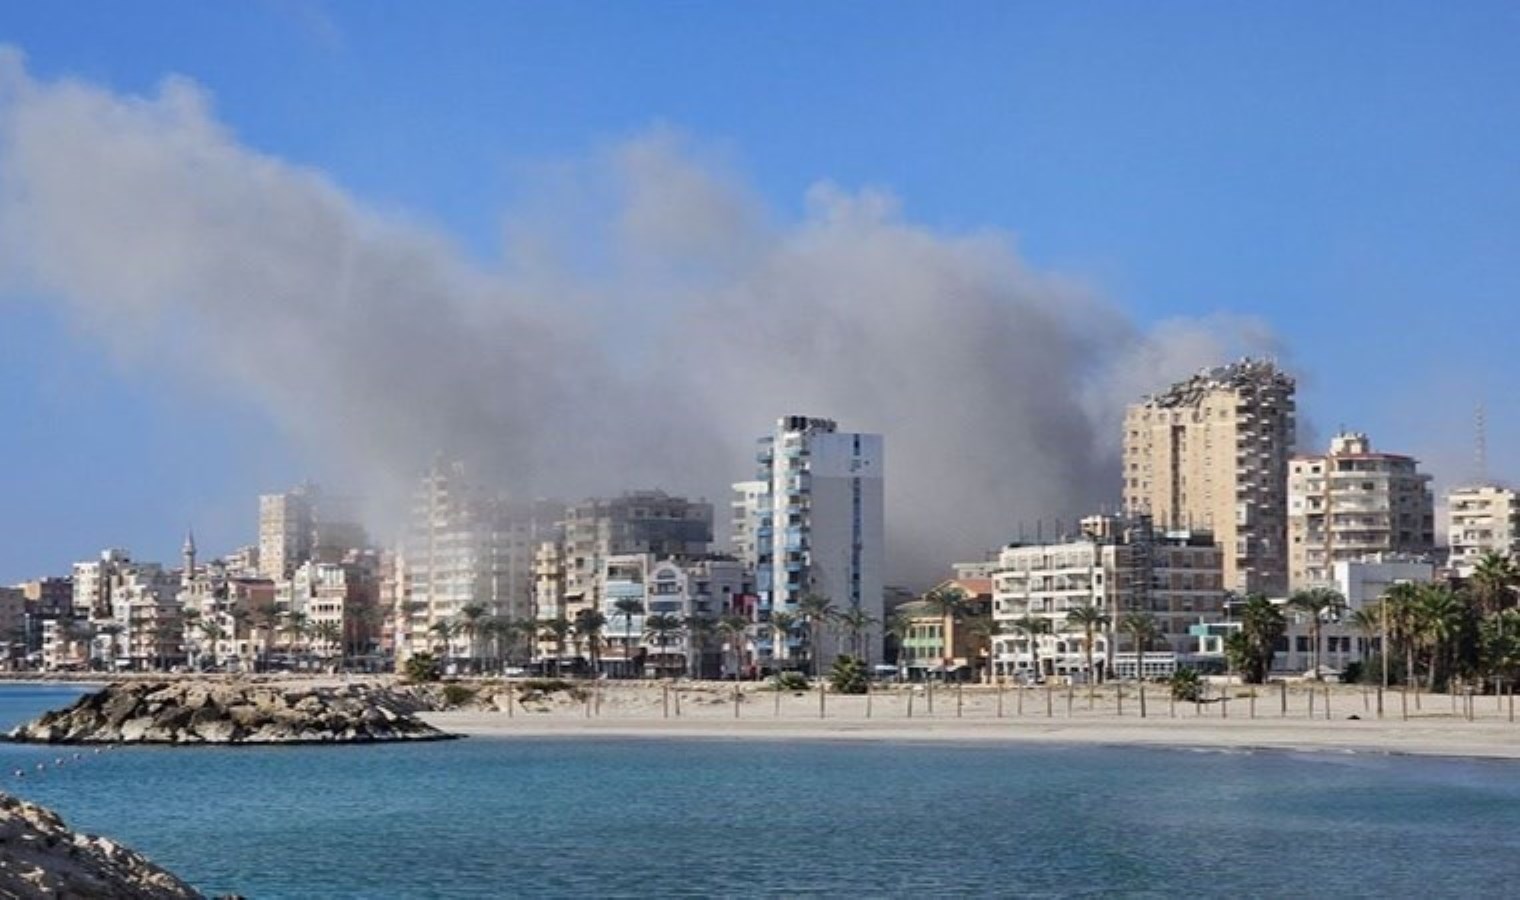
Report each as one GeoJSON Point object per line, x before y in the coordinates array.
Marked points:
{"type": "Point", "coordinates": [201, 712]}
{"type": "Point", "coordinates": [41, 857]}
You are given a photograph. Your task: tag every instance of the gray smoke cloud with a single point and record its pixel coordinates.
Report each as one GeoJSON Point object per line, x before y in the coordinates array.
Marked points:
{"type": "Point", "coordinates": [648, 318]}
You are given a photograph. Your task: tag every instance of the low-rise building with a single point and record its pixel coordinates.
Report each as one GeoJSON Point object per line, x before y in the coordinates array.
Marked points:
{"type": "Point", "coordinates": [1483, 519]}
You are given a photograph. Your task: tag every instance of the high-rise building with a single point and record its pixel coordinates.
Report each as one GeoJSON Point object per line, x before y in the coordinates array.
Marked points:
{"type": "Point", "coordinates": [1211, 453]}
{"type": "Point", "coordinates": [1484, 519]}
{"type": "Point", "coordinates": [815, 517]}
{"type": "Point", "coordinates": [287, 525]}
{"type": "Point", "coordinates": [465, 547]}
{"type": "Point", "coordinates": [1354, 504]}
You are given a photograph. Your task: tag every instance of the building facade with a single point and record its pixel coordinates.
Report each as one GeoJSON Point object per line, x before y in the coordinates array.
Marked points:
{"type": "Point", "coordinates": [1483, 519]}
{"type": "Point", "coordinates": [1353, 504]}
{"type": "Point", "coordinates": [1211, 454]}
{"type": "Point", "coordinates": [816, 523]}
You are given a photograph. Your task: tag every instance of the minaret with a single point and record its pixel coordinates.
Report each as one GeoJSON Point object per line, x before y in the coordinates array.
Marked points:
{"type": "Point", "coordinates": [188, 552]}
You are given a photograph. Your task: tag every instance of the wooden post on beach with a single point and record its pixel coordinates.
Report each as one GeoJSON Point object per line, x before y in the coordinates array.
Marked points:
{"type": "Point", "coordinates": [959, 701]}
{"type": "Point", "coordinates": [1404, 700]}
{"type": "Point", "coordinates": [1119, 694]}
{"type": "Point", "coordinates": [1380, 701]}
{"type": "Point", "coordinates": [1284, 695]}
{"type": "Point", "coordinates": [511, 701]}
{"type": "Point", "coordinates": [1021, 698]}
{"type": "Point", "coordinates": [1050, 698]}
{"type": "Point", "coordinates": [778, 700]}
{"type": "Point", "coordinates": [910, 702]}
{"type": "Point", "coordinates": [665, 699]}
{"type": "Point", "coordinates": [822, 694]}
{"type": "Point", "coordinates": [588, 701]}
{"type": "Point", "coordinates": [1311, 701]}
{"type": "Point", "coordinates": [1171, 704]}
{"type": "Point", "coordinates": [1070, 695]}
{"type": "Point", "coordinates": [929, 693]}
{"type": "Point", "coordinates": [1142, 698]}
{"type": "Point", "coordinates": [868, 699]}
{"type": "Point", "coordinates": [1512, 703]}
{"type": "Point", "coordinates": [677, 692]}
{"type": "Point", "coordinates": [1224, 699]}
{"type": "Point", "coordinates": [1252, 702]}
{"type": "Point", "coordinates": [738, 697]}
{"type": "Point", "coordinates": [1000, 699]}
{"type": "Point", "coordinates": [1327, 701]}
{"type": "Point", "coordinates": [1365, 701]}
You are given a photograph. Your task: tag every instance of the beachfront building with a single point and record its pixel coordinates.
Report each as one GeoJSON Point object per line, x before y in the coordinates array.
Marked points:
{"type": "Point", "coordinates": [661, 614]}
{"type": "Point", "coordinates": [92, 580]}
{"type": "Point", "coordinates": [647, 521]}
{"type": "Point", "coordinates": [467, 553]}
{"type": "Point", "coordinates": [1116, 566]}
{"type": "Point", "coordinates": [1210, 454]}
{"type": "Point", "coordinates": [815, 524]}
{"type": "Point", "coordinates": [1352, 503]}
{"type": "Point", "coordinates": [1483, 519]}
{"type": "Point", "coordinates": [936, 645]}
{"type": "Point", "coordinates": [286, 529]}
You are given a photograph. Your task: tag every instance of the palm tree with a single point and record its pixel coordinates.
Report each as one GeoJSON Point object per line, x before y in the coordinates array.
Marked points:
{"type": "Point", "coordinates": [1251, 649]}
{"type": "Point", "coordinates": [588, 625]}
{"type": "Point", "coordinates": [557, 630]}
{"type": "Point", "coordinates": [1143, 632]}
{"type": "Point", "coordinates": [1090, 619]}
{"type": "Point", "coordinates": [468, 625]}
{"type": "Point", "coordinates": [294, 624]}
{"type": "Point", "coordinates": [661, 627]}
{"type": "Point", "coordinates": [735, 629]}
{"type": "Point", "coordinates": [782, 623]}
{"type": "Point", "coordinates": [981, 629]}
{"type": "Point", "coordinates": [898, 627]}
{"type": "Point", "coordinates": [1031, 627]}
{"type": "Point", "coordinates": [264, 619]}
{"type": "Point", "coordinates": [1369, 621]}
{"type": "Point", "coordinates": [211, 632]}
{"type": "Point", "coordinates": [814, 610]}
{"type": "Point", "coordinates": [1494, 579]}
{"type": "Point", "coordinates": [1401, 604]}
{"type": "Point", "coordinates": [1442, 616]}
{"type": "Point", "coordinates": [1318, 604]}
{"type": "Point", "coordinates": [330, 634]}
{"type": "Point", "coordinates": [699, 630]}
{"type": "Point", "coordinates": [856, 622]}
{"type": "Point", "coordinates": [628, 607]}
{"type": "Point", "coordinates": [949, 603]}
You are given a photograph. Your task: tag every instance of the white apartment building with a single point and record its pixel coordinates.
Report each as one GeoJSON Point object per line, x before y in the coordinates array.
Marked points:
{"type": "Point", "coordinates": [687, 589]}
{"type": "Point", "coordinates": [646, 521]}
{"type": "Point", "coordinates": [92, 582]}
{"type": "Point", "coordinates": [287, 525]}
{"type": "Point", "coordinates": [818, 525]}
{"type": "Point", "coordinates": [1116, 567]}
{"type": "Point", "coordinates": [1484, 519]}
{"type": "Point", "coordinates": [1352, 504]}
{"type": "Point", "coordinates": [1211, 453]}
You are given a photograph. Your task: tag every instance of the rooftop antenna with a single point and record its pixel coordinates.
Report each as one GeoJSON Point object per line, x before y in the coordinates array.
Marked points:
{"type": "Point", "coordinates": [1480, 444]}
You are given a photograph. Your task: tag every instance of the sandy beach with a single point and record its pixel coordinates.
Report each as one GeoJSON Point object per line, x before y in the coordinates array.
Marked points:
{"type": "Point", "coordinates": [1435, 724]}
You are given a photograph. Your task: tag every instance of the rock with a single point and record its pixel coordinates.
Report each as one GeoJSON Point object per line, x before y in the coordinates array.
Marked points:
{"type": "Point", "coordinates": [227, 713]}
{"type": "Point", "coordinates": [41, 857]}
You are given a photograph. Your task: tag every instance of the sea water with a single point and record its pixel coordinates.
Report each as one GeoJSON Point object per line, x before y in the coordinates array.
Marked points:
{"type": "Point", "coordinates": [619, 817]}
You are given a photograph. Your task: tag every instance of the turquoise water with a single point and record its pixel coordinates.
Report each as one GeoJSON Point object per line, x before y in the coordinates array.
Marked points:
{"type": "Point", "coordinates": [487, 818]}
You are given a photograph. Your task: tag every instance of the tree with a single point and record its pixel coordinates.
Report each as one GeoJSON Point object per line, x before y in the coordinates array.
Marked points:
{"type": "Point", "coordinates": [628, 607]}
{"type": "Point", "coordinates": [661, 627]}
{"type": "Point", "coordinates": [856, 622]}
{"type": "Point", "coordinates": [814, 611]}
{"type": "Point", "coordinates": [421, 667]}
{"type": "Point", "coordinates": [330, 634]}
{"type": "Point", "coordinates": [1442, 618]}
{"type": "Point", "coordinates": [1318, 604]}
{"type": "Point", "coordinates": [1369, 621]}
{"type": "Point", "coordinates": [1251, 648]}
{"type": "Point", "coordinates": [781, 623]}
{"type": "Point", "coordinates": [1090, 620]}
{"type": "Point", "coordinates": [735, 630]}
{"type": "Point", "coordinates": [1401, 605]}
{"type": "Point", "coordinates": [981, 629]}
{"type": "Point", "coordinates": [294, 625]}
{"type": "Point", "coordinates": [468, 625]}
{"type": "Point", "coordinates": [898, 628]}
{"type": "Point", "coordinates": [442, 632]}
{"type": "Point", "coordinates": [949, 603]}
{"type": "Point", "coordinates": [849, 676]}
{"type": "Point", "coordinates": [699, 632]}
{"type": "Point", "coordinates": [588, 625]}
{"type": "Point", "coordinates": [556, 630]}
{"type": "Point", "coordinates": [1494, 579]}
{"type": "Point", "coordinates": [1143, 632]}
{"type": "Point", "coordinates": [1032, 627]}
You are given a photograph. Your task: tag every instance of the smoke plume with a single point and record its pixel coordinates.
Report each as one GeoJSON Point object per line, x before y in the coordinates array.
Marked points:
{"type": "Point", "coordinates": [648, 318]}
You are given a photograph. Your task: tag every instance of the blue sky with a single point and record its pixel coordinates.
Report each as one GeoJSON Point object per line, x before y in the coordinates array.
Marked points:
{"type": "Point", "coordinates": [1349, 172]}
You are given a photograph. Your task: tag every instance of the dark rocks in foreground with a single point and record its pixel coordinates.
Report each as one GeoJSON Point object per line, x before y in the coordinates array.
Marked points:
{"type": "Point", "coordinates": [236, 712]}
{"type": "Point", "coordinates": [41, 857]}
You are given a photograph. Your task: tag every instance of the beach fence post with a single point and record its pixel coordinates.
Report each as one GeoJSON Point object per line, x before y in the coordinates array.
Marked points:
{"type": "Point", "coordinates": [1021, 698]}
{"type": "Point", "coordinates": [778, 699]}
{"type": "Point", "coordinates": [1252, 702]}
{"type": "Point", "coordinates": [1511, 703]}
{"type": "Point", "coordinates": [1224, 699]}
{"type": "Point", "coordinates": [1000, 699]}
{"type": "Point", "coordinates": [511, 700]}
{"type": "Point", "coordinates": [910, 701]}
{"type": "Point", "coordinates": [1311, 701]}
{"type": "Point", "coordinates": [665, 699]}
{"type": "Point", "coordinates": [1071, 689]}
{"type": "Point", "coordinates": [1142, 698]}
{"type": "Point", "coordinates": [1365, 701]}
{"type": "Point", "coordinates": [1119, 694]}
{"type": "Point", "coordinates": [868, 699]}
{"type": "Point", "coordinates": [597, 693]}
{"type": "Point", "coordinates": [1171, 704]}
{"type": "Point", "coordinates": [738, 697]}
{"type": "Point", "coordinates": [1327, 701]}
{"type": "Point", "coordinates": [822, 694]}
{"type": "Point", "coordinates": [1380, 701]}
{"type": "Point", "coordinates": [1050, 699]}
{"type": "Point", "coordinates": [959, 702]}
{"type": "Point", "coordinates": [1284, 695]}
{"type": "Point", "coordinates": [677, 692]}
{"type": "Point", "coordinates": [929, 692]}
{"type": "Point", "coordinates": [1404, 700]}
{"type": "Point", "coordinates": [587, 704]}
{"type": "Point", "coordinates": [1198, 702]}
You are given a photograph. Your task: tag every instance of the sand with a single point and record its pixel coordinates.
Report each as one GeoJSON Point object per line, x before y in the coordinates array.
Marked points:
{"type": "Point", "coordinates": [1436, 725]}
